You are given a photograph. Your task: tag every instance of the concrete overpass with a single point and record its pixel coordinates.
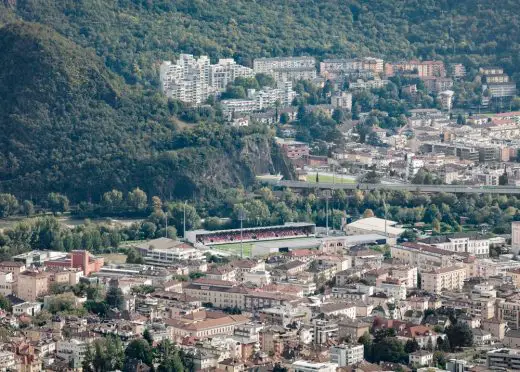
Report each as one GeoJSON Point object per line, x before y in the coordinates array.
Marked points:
{"type": "Point", "coordinates": [456, 189]}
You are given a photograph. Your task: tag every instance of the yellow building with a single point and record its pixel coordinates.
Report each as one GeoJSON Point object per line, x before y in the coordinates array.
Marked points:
{"type": "Point", "coordinates": [32, 285]}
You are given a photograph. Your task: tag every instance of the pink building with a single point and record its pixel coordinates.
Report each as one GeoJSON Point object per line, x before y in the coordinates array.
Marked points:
{"type": "Point", "coordinates": [79, 259]}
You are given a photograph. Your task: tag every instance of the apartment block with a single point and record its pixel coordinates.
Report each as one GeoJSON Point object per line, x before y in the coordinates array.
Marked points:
{"type": "Point", "coordinates": [286, 68]}
{"type": "Point", "coordinates": [13, 267]}
{"type": "Point", "coordinates": [187, 80]}
{"type": "Point", "coordinates": [346, 355]}
{"type": "Point", "coordinates": [32, 285]}
{"type": "Point", "coordinates": [333, 68]}
{"type": "Point", "coordinates": [446, 278]}
{"type": "Point", "coordinates": [304, 366]}
{"type": "Point", "coordinates": [509, 312]}
{"type": "Point", "coordinates": [422, 68]}
{"type": "Point", "coordinates": [7, 283]}
{"type": "Point", "coordinates": [515, 237]}
{"type": "Point", "coordinates": [474, 244]}
{"type": "Point", "coordinates": [225, 72]}
{"type": "Point", "coordinates": [504, 359]}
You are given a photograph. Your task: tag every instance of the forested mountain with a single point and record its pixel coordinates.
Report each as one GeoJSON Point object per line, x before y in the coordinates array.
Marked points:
{"type": "Point", "coordinates": [70, 125]}
{"type": "Point", "coordinates": [133, 35]}
{"type": "Point", "coordinates": [79, 108]}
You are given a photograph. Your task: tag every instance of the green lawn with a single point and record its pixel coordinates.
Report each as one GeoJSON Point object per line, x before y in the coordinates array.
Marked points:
{"type": "Point", "coordinates": [234, 248]}
{"type": "Point", "coordinates": [328, 179]}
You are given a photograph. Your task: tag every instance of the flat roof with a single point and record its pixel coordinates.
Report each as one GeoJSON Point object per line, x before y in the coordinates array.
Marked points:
{"type": "Point", "coordinates": [375, 223]}
{"type": "Point", "coordinates": [287, 225]}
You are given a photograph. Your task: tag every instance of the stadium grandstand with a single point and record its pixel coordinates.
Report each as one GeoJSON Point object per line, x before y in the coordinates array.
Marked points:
{"type": "Point", "coordinates": [252, 234]}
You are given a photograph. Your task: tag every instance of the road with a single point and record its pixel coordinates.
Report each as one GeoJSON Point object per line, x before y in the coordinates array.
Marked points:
{"type": "Point", "coordinates": [394, 187]}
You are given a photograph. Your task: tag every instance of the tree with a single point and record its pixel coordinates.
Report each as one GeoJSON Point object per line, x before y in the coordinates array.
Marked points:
{"type": "Point", "coordinates": [27, 208]}
{"type": "Point", "coordinates": [104, 354]}
{"type": "Point", "coordinates": [139, 350]}
{"type": "Point", "coordinates": [134, 257]}
{"type": "Point", "coordinates": [366, 341]}
{"type": "Point", "coordinates": [411, 346]}
{"type": "Point", "coordinates": [503, 179]}
{"type": "Point", "coordinates": [5, 304]}
{"type": "Point", "coordinates": [148, 336]}
{"type": "Point", "coordinates": [8, 205]}
{"type": "Point", "coordinates": [368, 213]}
{"type": "Point", "coordinates": [278, 368]}
{"type": "Point", "coordinates": [57, 202]}
{"type": "Point", "coordinates": [176, 210]}
{"type": "Point", "coordinates": [284, 118]}
{"type": "Point", "coordinates": [115, 298]}
{"type": "Point", "coordinates": [338, 115]}
{"type": "Point", "coordinates": [137, 199]}
{"type": "Point", "coordinates": [459, 335]}
{"type": "Point", "coordinates": [112, 199]}
{"type": "Point", "coordinates": [389, 350]}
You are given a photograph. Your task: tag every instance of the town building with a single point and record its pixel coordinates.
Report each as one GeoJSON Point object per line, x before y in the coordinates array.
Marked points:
{"type": "Point", "coordinates": [13, 267]}
{"type": "Point", "coordinates": [345, 355]}
{"type": "Point", "coordinates": [28, 308]}
{"type": "Point", "coordinates": [474, 244]}
{"type": "Point", "coordinates": [375, 225]}
{"type": "Point", "coordinates": [342, 100]}
{"type": "Point", "coordinates": [286, 68]}
{"type": "Point", "coordinates": [72, 350]}
{"type": "Point", "coordinates": [79, 259]}
{"type": "Point", "coordinates": [293, 149]}
{"type": "Point", "coordinates": [515, 237]}
{"type": "Point", "coordinates": [421, 358]}
{"type": "Point", "coordinates": [304, 366]}
{"type": "Point", "coordinates": [504, 359]}
{"type": "Point", "coordinates": [187, 80]}
{"type": "Point", "coordinates": [7, 283]}
{"type": "Point", "coordinates": [32, 285]}
{"type": "Point", "coordinates": [165, 252]}
{"type": "Point", "coordinates": [445, 278]}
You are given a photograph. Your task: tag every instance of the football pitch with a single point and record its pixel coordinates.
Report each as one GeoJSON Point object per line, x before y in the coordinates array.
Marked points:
{"type": "Point", "coordinates": [234, 248]}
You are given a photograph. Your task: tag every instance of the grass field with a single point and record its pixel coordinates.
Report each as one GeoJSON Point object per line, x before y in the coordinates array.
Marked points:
{"type": "Point", "coordinates": [234, 248]}
{"type": "Point", "coordinates": [329, 179]}
{"type": "Point", "coordinates": [116, 258]}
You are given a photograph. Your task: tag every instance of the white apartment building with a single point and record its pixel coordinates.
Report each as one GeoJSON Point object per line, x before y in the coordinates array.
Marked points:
{"type": "Point", "coordinates": [304, 366]}
{"type": "Point", "coordinates": [72, 349]}
{"type": "Point", "coordinates": [445, 278]}
{"type": "Point", "coordinates": [28, 308]}
{"type": "Point", "coordinates": [342, 100]}
{"type": "Point", "coordinates": [187, 80]}
{"type": "Point", "coordinates": [259, 100]}
{"type": "Point", "coordinates": [446, 98]}
{"type": "Point", "coordinates": [332, 68]}
{"type": "Point", "coordinates": [421, 358]}
{"type": "Point", "coordinates": [324, 331]}
{"type": "Point", "coordinates": [487, 267]}
{"type": "Point", "coordinates": [226, 71]}
{"type": "Point", "coordinates": [461, 242]}
{"type": "Point", "coordinates": [164, 251]}
{"type": "Point", "coordinates": [515, 237]}
{"type": "Point", "coordinates": [6, 283]}
{"type": "Point", "coordinates": [407, 273]}
{"type": "Point", "coordinates": [270, 66]}
{"type": "Point", "coordinates": [393, 288]}
{"type": "Point", "coordinates": [346, 355]}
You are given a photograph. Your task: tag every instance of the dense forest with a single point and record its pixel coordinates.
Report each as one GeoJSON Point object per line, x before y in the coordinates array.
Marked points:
{"type": "Point", "coordinates": [81, 114]}
{"type": "Point", "coordinates": [133, 35]}
{"type": "Point", "coordinates": [71, 125]}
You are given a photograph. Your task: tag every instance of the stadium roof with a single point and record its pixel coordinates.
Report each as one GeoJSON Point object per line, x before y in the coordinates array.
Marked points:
{"type": "Point", "coordinates": [261, 228]}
